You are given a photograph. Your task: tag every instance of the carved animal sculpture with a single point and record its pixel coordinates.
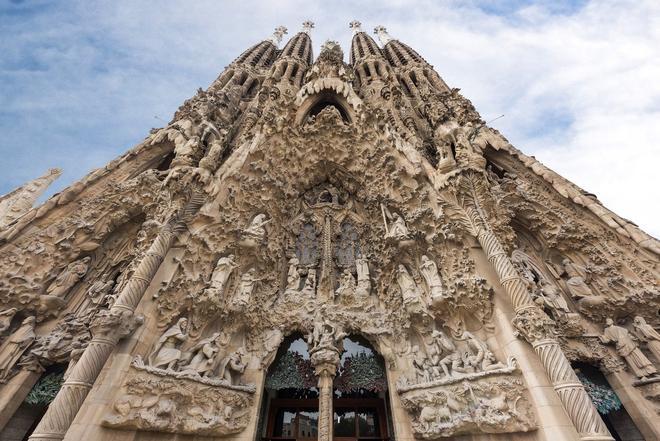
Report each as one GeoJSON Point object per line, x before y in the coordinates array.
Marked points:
{"type": "Point", "coordinates": [429, 416]}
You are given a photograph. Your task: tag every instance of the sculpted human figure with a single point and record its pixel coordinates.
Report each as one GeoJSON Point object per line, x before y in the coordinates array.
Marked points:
{"type": "Point", "coordinates": [347, 284]}
{"type": "Point", "coordinates": [429, 271]}
{"type": "Point", "coordinates": [293, 276]}
{"type": "Point", "coordinates": [256, 230]}
{"type": "Point", "coordinates": [233, 366]}
{"type": "Point", "coordinates": [626, 348]}
{"type": "Point", "coordinates": [480, 357]}
{"type": "Point", "coordinates": [221, 273]}
{"type": "Point", "coordinates": [5, 318]}
{"type": "Point", "coordinates": [578, 277]}
{"type": "Point", "coordinates": [647, 334]}
{"type": "Point", "coordinates": [363, 279]}
{"type": "Point", "coordinates": [205, 353]}
{"type": "Point", "coordinates": [68, 278]}
{"type": "Point", "coordinates": [167, 354]}
{"type": "Point", "coordinates": [310, 283]}
{"type": "Point", "coordinates": [409, 289]}
{"type": "Point", "coordinates": [99, 290]}
{"type": "Point", "coordinates": [552, 298]}
{"type": "Point", "coordinates": [14, 347]}
{"type": "Point", "coordinates": [398, 228]}
{"type": "Point", "coordinates": [245, 288]}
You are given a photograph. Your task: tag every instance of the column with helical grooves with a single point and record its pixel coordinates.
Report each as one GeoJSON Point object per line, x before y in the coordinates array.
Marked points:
{"type": "Point", "coordinates": [536, 327]}
{"type": "Point", "coordinates": [105, 335]}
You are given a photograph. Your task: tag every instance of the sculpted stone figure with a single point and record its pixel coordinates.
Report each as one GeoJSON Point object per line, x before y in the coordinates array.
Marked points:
{"type": "Point", "coordinates": [205, 355]}
{"type": "Point", "coordinates": [167, 354]}
{"type": "Point", "coordinates": [233, 367]}
{"type": "Point", "coordinates": [293, 276]}
{"type": "Point", "coordinates": [398, 229]}
{"type": "Point", "coordinates": [578, 277]}
{"type": "Point", "coordinates": [429, 270]}
{"type": "Point", "coordinates": [221, 273]}
{"type": "Point", "coordinates": [256, 230]}
{"type": "Point", "coordinates": [409, 290]}
{"type": "Point", "coordinates": [68, 278]}
{"type": "Point", "coordinates": [346, 286]}
{"type": "Point", "coordinates": [626, 348]}
{"type": "Point", "coordinates": [363, 280]}
{"type": "Point", "coordinates": [5, 318]}
{"type": "Point", "coordinates": [14, 347]}
{"type": "Point", "coordinates": [552, 298]}
{"type": "Point", "coordinates": [245, 289]}
{"type": "Point", "coordinates": [310, 283]}
{"type": "Point", "coordinates": [99, 290]}
{"type": "Point", "coordinates": [647, 334]}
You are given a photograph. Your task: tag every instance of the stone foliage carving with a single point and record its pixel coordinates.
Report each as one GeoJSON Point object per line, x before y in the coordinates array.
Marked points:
{"type": "Point", "coordinates": [156, 400]}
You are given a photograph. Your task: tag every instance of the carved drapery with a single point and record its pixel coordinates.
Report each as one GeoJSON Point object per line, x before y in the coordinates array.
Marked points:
{"type": "Point", "coordinates": [108, 329]}
{"type": "Point", "coordinates": [534, 325]}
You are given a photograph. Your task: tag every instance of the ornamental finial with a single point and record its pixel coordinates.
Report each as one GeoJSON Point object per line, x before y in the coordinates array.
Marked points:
{"type": "Point", "coordinates": [308, 25]}
{"type": "Point", "coordinates": [276, 38]}
{"type": "Point", "coordinates": [356, 26]}
{"type": "Point", "coordinates": [383, 36]}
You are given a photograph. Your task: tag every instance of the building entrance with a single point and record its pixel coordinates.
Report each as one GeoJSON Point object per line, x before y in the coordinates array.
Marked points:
{"type": "Point", "coordinates": [360, 401]}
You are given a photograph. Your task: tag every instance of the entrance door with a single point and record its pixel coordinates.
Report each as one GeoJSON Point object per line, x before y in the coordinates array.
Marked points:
{"type": "Point", "coordinates": [359, 419]}
{"type": "Point", "coordinates": [293, 420]}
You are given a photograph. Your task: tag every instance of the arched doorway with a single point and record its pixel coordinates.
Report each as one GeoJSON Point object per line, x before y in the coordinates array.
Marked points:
{"type": "Point", "coordinates": [290, 409]}
{"type": "Point", "coordinates": [610, 408]}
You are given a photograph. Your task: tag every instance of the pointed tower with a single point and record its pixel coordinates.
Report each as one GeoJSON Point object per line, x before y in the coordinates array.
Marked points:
{"type": "Point", "coordinates": [315, 249]}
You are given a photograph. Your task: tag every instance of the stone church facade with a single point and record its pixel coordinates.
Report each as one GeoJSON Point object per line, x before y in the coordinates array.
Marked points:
{"type": "Point", "coordinates": [315, 249]}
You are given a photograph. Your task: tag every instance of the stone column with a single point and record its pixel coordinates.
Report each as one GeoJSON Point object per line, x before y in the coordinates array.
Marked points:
{"type": "Point", "coordinates": [325, 362]}
{"type": "Point", "coordinates": [107, 329]}
{"type": "Point", "coordinates": [538, 329]}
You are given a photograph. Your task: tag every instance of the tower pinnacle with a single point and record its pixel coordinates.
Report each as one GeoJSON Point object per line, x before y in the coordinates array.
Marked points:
{"type": "Point", "coordinates": [308, 25]}
{"type": "Point", "coordinates": [279, 32]}
{"type": "Point", "coordinates": [356, 26]}
{"type": "Point", "coordinates": [383, 36]}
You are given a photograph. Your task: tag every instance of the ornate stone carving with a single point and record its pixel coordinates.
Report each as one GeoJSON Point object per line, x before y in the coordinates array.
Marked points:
{"type": "Point", "coordinates": [14, 346]}
{"type": "Point", "coordinates": [221, 273]}
{"type": "Point", "coordinates": [489, 402]}
{"type": "Point", "coordinates": [648, 335]}
{"type": "Point", "coordinates": [429, 270]}
{"type": "Point", "coordinates": [627, 348]}
{"type": "Point", "coordinates": [255, 233]}
{"type": "Point", "coordinates": [166, 354]}
{"type": "Point", "coordinates": [68, 278]}
{"type": "Point", "coordinates": [161, 401]}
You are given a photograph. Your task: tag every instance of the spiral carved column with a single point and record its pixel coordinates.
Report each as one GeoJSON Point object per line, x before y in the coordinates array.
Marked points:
{"type": "Point", "coordinates": [325, 361]}
{"type": "Point", "coordinates": [538, 329]}
{"type": "Point", "coordinates": [107, 329]}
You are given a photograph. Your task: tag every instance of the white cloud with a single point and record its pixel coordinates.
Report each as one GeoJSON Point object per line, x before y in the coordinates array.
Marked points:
{"type": "Point", "coordinates": [579, 85]}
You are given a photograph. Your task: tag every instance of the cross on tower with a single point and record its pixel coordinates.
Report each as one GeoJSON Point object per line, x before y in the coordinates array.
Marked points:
{"type": "Point", "coordinates": [383, 36]}
{"type": "Point", "coordinates": [308, 25]}
{"type": "Point", "coordinates": [279, 32]}
{"type": "Point", "coordinates": [356, 26]}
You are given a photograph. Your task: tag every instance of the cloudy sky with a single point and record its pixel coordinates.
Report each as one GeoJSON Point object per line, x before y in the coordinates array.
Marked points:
{"type": "Point", "coordinates": [577, 81]}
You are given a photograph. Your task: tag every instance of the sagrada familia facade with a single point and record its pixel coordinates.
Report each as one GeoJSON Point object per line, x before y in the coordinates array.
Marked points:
{"type": "Point", "coordinates": [315, 249]}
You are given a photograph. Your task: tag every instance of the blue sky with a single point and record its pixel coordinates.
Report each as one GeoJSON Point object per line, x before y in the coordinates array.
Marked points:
{"type": "Point", "coordinates": [577, 81]}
